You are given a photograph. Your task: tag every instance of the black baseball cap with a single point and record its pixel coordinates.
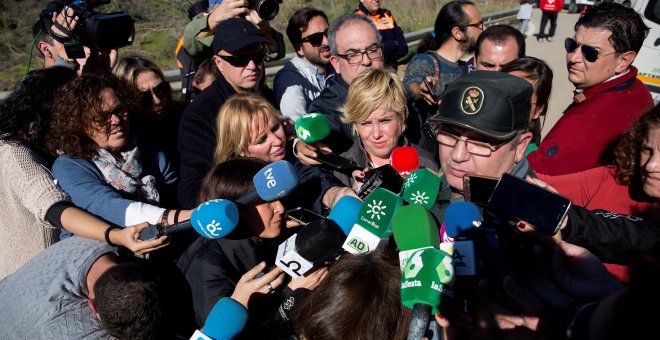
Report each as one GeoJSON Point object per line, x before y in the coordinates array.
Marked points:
{"type": "Point", "coordinates": [235, 33]}
{"type": "Point", "coordinates": [490, 103]}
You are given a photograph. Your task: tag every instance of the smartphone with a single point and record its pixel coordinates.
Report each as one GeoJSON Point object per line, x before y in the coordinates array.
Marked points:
{"type": "Point", "coordinates": [336, 163]}
{"type": "Point", "coordinates": [302, 215]}
{"type": "Point", "coordinates": [519, 199]}
{"type": "Point", "coordinates": [478, 189]}
{"type": "Point", "coordinates": [430, 89]}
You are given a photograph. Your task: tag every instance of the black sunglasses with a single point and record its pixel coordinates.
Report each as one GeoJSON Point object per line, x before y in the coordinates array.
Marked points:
{"type": "Point", "coordinates": [589, 53]}
{"type": "Point", "coordinates": [315, 39]}
{"type": "Point", "coordinates": [243, 60]}
{"type": "Point", "coordinates": [161, 91]}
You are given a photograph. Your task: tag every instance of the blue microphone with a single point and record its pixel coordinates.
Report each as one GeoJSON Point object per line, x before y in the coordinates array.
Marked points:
{"type": "Point", "coordinates": [225, 321]}
{"type": "Point", "coordinates": [213, 219]}
{"type": "Point", "coordinates": [345, 213]}
{"type": "Point", "coordinates": [271, 183]}
{"type": "Point", "coordinates": [462, 219]}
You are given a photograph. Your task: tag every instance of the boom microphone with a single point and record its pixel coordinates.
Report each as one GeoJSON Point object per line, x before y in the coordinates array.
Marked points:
{"type": "Point", "coordinates": [271, 183]}
{"type": "Point", "coordinates": [374, 223]}
{"type": "Point", "coordinates": [404, 160]}
{"type": "Point", "coordinates": [213, 219]}
{"type": "Point", "coordinates": [414, 228]}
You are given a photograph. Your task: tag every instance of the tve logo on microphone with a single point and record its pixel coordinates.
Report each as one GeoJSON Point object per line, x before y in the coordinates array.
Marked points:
{"type": "Point", "coordinates": [270, 179]}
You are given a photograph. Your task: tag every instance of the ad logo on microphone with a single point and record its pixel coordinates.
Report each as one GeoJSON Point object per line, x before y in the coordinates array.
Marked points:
{"type": "Point", "coordinates": [358, 245]}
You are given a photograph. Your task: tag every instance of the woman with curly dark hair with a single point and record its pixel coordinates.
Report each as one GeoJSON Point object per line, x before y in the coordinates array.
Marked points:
{"type": "Point", "coordinates": [35, 208]}
{"type": "Point", "coordinates": [102, 165]}
{"type": "Point", "coordinates": [630, 186]}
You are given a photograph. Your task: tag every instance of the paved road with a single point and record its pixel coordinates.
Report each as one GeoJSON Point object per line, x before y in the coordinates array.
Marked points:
{"type": "Point", "coordinates": [554, 54]}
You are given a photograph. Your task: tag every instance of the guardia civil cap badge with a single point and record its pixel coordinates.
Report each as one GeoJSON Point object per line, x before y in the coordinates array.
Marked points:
{"type": "Point", "coordinates": [472, 100]}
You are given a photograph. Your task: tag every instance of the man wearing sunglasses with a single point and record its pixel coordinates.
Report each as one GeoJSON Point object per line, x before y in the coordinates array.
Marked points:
{"type": "Point", "coordinates": [394, 43]}
{"type": "Point", "coordinates": [303, 78]}
{"type": "Point", "coordinates": [608, 96]}
{"type": "Point", "coordinates": [239, 56]}
{"type": "Point", "coordinates": [481, 129]}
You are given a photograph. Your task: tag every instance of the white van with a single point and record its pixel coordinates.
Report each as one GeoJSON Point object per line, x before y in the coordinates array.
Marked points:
{"type": "Point", "coordinates": [648, 59]}
{"type": "Point", "coordinates": [574, 6]}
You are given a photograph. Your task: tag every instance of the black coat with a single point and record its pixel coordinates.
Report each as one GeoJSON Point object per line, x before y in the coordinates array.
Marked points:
{"type": "Point", "coordinates": [197, 137]}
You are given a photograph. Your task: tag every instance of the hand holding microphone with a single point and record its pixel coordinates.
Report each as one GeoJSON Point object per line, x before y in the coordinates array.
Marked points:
{"type": "Point", "coordinates": [313, 128]}
{"type": "Point", "coordinates": [251, 283]}
{"type": "Point", "coordinates": [213, 219]}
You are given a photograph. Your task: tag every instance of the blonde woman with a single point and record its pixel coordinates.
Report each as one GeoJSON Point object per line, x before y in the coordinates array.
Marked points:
{"type": "Point", "coordinates": [248, 125]}
{"type": "Point", "coordinates": [377, 112]}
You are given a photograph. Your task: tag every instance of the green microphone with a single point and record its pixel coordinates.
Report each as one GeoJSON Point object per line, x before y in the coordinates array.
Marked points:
{"type": "Point", "coordinates": [421, 187]}
{"type": "Point", "coordinates": [374, 224]}
{"type": "Point", "coordinates": [426, 277]}
{"type": "Point", "coordinates": [414, 228]}
{"type": "Point", "coordinates": [312, 127]}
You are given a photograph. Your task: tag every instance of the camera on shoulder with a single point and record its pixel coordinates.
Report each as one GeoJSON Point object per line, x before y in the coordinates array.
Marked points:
{"type": "Point", "coordinates": [103, 31]}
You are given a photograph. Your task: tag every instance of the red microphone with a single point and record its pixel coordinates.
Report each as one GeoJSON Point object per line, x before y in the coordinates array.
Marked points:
{"type": "Point", "coordinates": [404, 159]}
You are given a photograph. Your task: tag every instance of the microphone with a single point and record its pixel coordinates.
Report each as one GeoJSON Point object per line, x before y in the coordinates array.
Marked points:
{"type": "Point", "coordinates": [373, 227]}
{"type": "Point", "coordinates": [271, 183]}
{"type": "Point", "coordinates": [381, 177]}
{"type": "Point", "coordinates": [414, 228]}
{"type": "Point", "coordinates": [345, 213]}
{"type": "Point", "coordinates": [314, 127]}
{"type": "Point", "coordinates": [404, 160]}
{"type": "Point", "coordinates": [320, 240]}
{"type": "Point", "coordinates": [213, 219]}
{"type": "Point", "coordinates": [225, 321]}
{"type": "Point", "coordinates": [421, 187]}
{"type": "Point", "coordinates": [459, 230]}
{"type": "Point", "coordinates": [426, 277]}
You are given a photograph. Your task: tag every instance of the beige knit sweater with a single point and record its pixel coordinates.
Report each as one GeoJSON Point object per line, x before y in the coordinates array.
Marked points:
{"type": "Point", "coordinates": [27, 190]}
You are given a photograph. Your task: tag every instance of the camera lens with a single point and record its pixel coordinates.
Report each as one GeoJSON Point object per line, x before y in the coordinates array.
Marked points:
{"type": "Point", "coordinates": [267, 9]}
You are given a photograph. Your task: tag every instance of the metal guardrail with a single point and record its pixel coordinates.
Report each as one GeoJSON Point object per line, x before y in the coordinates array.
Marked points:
{"type": "Point", "coordinates": [412, 38]}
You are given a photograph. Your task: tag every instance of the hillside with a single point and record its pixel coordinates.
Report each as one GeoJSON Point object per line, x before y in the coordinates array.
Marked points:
{"type": "Point", "coordinates": [160, 23]}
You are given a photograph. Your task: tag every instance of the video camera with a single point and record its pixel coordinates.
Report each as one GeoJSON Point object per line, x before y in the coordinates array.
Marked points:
{"type": "Point", "coordinates": [103, 31]}
{"type": "Point", "coordinates": [267, 9]}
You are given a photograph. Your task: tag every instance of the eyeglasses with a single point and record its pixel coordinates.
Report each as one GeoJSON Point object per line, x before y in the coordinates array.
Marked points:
{"type": "Point", "coordinates": [102, 118]}
{"type": "Point", "coordinates": [472, 146]}
{"type": "Point", "coordinates": [243, 60]}
{"type": "Point", "coordinates": [374, 52]}
{"type": "Point", "coordinates": [589, 53]}
{"type": "Point", "coordinates": [479, 25]}
{"type": "Point", "coordinates": [315, 39]}
{"type": "Point", "coordinates": [161, 91]}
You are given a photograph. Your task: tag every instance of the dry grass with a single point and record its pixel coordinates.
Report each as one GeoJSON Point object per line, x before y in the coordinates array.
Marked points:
{"type": "Point", "coordinates": [159, 25]}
